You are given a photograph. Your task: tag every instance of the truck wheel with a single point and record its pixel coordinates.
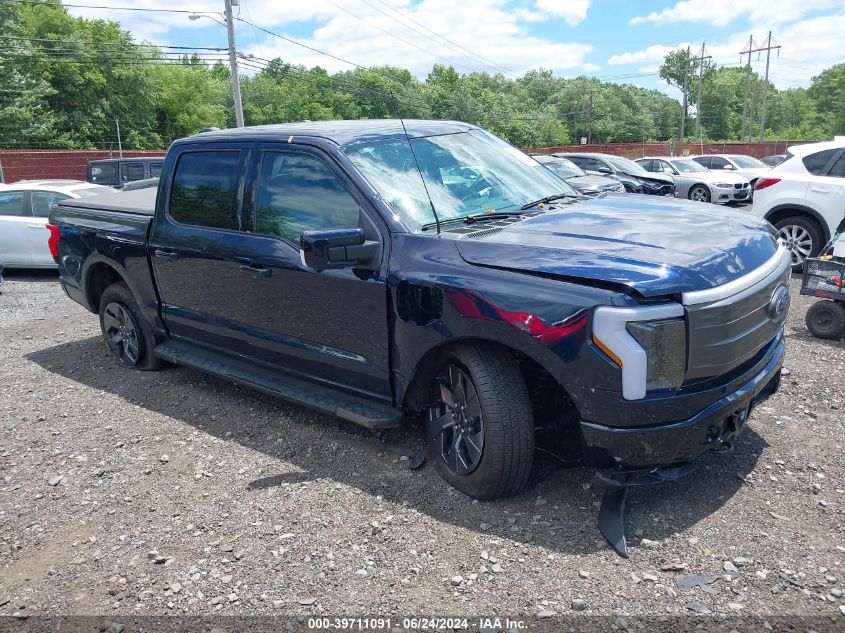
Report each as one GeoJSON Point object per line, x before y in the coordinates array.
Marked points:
{"type": "Point", "coordinates": [480, 432]}
{"type": "Point", "coordinates": [826, 319]}
{"type": "Point", "coordinates": [127, 335]}
{"type": "Point", "coordinates": [801, 238]}
{"type": "Point", "coordinates": [699, 193]}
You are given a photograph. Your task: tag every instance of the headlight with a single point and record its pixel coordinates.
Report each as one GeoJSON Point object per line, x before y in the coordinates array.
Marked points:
{"type": "Point", "coordinates": [648, 344]}
{"type": "Point", "coordinates": [665, 344]}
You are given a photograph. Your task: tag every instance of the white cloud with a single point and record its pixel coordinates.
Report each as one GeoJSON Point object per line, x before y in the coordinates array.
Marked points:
{"type": "Point", "coordinates": [808, 47]}
{"type": "Point", "coordinates": [483, 35]}
{"type": "Point", "coordinates": [723, 12]}
{"type": "Point", "coordinates": [573, 12]}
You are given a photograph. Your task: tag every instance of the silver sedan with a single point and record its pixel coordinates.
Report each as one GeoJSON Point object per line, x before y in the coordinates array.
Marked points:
{"type": "Point", "coordinates": [698, 183]}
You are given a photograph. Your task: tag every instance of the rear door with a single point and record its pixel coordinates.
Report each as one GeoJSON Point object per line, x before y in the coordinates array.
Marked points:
{"type": "Point", "coordinates": [15, 221]}
{"type": "Point", "coordinates": [42, 202]}
{"type": "Point", "coordinates": [826, 185]}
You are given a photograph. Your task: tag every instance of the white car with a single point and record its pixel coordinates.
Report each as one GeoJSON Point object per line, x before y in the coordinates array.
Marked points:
{"type": "Point", "coordinates": [804, 198]}
{"type": "Point", "coordinates": [24, 208]}
{"type": "Point", "coordinates": [697, 183]}
{"type": "Point", "coordinates": [746, 166]}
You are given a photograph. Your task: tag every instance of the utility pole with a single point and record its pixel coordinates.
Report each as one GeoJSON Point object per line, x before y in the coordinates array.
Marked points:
{"type": "Point", "coordinates": [768, 47]}
{"type": "Point", "coordinates": [590, 120]}
{"type": "Point", "coordinates": [701, 58]}
{"type": "Point", "coordinates": [747, 118]}
{"type": "Point", "coordinates": [686, 105]}
{"type": "Point", "coordinates": [119, 144]}
{"type": "Point", "coordinates": [233, 62]}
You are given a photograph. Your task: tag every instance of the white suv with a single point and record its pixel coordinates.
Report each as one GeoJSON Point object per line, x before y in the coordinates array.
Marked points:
{"type": "Point", "coordinates": [804, 197]}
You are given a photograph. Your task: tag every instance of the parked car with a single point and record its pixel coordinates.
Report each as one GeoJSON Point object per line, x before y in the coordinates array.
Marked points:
{"type": "Point", "coordinates": [24, 207]}
{"type": "Point", "coordinates": [632, 176]}
{"type": "Point", "coordinates": [347, 275]}
{"type": "Point", "coordinates": [698, 183]}
{"type": "Point", "coordinates": [747, 166]}
{"type": "Point", "coordinates": [116, 172]}
{"type": "Point", "coordinates": [775, 160]}
{"type": "Point", "coordinates": [578, 178]}
{"type": "Point", "coordinates": [804, 197]}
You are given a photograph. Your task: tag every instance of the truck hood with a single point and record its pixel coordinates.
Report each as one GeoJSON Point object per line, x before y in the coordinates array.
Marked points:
{"type": "Point", "coordinates": [653, 246]}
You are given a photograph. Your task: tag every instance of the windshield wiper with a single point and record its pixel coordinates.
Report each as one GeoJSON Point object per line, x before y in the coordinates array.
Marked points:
{"type": "Point", "coordinates": [475, 217]}
{"type": "Point", "coordinates": [547, 200]}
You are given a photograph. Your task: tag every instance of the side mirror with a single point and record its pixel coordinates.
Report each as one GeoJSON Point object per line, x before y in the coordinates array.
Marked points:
{"type": "Point", "coordinates": [604, 170]}
{"type": "Point", "coordinates": [336, 248]}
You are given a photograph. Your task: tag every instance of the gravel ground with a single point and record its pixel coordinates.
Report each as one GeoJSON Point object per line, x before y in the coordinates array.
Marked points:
{"type": "Point", "coordinates": [176, 493]}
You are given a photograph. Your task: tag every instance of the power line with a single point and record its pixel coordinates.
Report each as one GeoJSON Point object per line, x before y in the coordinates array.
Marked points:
{"type": "Point", "coordinates": [98, 6]}
{"type": "Point", "coordinates": [393, 35]}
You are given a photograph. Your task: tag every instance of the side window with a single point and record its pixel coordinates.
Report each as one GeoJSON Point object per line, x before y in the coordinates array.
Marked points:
{"type": "Point", "coordinates": [298, 192]}
{"type": "Point", "coordinates": [578, 160]}
{"type": "Point", "coordinates": [205, 188]}
{"type": "Point", "coordinates": [816, 163]}
{"type": "Point", "coordinates": [104, 173]}
{"type": "Point", "coordinates": [592, 164]}
{"type": "Point", "coordinates": [11, 203]}
{"type": "Point", "coordinates": [648, 165]}
{"type": "Point", "coordinates": [838, 169]}
{"type": "Point", "coordinates": [131, 171]}
{"type": "Point", "coordinates": [155, 170]}
{"type": "Point", "coordinates": [718, 163]}
{"type": "Point", "coordinates": [704, 161]}
{"type": "Point", "coordinates": [43, 202]}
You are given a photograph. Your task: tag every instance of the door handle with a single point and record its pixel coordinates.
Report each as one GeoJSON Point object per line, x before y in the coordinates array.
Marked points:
{"type": "Point", "coordinates": [819, 190]}
{"type": "Point", "coordinates": [258, 273]}
{"type": "Point", "coordinates": [168, 255]}
{"type": "Point", "coordinates": [35, 226]}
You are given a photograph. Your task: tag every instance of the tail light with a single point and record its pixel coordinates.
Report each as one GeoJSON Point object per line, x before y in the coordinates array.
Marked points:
{"type": "Point", "coordinates": [53, 241]}
{"type": "Point", "coordinates": [762, 183]}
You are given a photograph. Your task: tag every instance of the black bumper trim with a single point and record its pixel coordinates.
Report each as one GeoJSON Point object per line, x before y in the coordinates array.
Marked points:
{"type": "Point", "coordinates": [662, 445]}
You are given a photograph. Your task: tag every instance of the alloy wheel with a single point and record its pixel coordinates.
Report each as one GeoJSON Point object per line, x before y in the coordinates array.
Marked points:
{"type": "Point", "coordinates": [798, 241]}
{"type": "Point", "coordinates": [121, 333]}
{"type": "Point", "coordinates": [699, 194]}
{"type": "Point", "coordinates": [458, 419]}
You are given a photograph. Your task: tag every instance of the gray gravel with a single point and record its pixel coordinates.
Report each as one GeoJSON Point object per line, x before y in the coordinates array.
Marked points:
{"type": "Point", "coordinates": [173, 492]}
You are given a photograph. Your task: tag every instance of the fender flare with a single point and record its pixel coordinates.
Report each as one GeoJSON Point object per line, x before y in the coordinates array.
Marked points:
{"type": "Point", "coordinates": [802, 209]}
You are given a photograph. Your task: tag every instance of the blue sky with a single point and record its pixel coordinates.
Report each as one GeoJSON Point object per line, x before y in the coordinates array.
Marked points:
{"type": "Point", "coordinates": [615, 39]}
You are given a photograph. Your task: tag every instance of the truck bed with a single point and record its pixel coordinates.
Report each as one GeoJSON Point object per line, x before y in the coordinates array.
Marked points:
{"type": "Point", "coordinates": [140, 202]}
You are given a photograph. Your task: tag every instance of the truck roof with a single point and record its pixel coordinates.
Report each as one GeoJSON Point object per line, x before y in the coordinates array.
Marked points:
{"type": "Point", "coordinates": [339, 132]}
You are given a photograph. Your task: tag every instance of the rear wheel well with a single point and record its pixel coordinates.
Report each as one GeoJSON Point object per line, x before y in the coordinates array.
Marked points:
{"type": "Point", "coordinates": [555, 415]}
{"type": "Point", "coordinates": [793, 212]}
{"type": "Point", "coordinates": [100, 277]}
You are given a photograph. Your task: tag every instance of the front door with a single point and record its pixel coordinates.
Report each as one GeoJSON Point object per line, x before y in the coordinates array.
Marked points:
{"type": "Point", "coordinates": [240, 285]}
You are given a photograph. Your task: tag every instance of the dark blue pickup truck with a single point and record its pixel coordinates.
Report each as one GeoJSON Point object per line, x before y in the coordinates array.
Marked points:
{"type": "Point", "coordinates": [375, 269]}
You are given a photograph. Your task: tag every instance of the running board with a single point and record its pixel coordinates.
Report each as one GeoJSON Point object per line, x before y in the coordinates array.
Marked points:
{"type": "Point", "coordinates": [368, 413]}
{"type": "Point", "coordinates": [616, 485]}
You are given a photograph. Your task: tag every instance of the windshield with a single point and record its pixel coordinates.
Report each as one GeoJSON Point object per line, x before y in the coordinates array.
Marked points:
{"type": "Point", "coordinates": [626, 166]}
{"type": "Point", "coordinates": [466, 173]}
{"type": "Point", "coordinates": [687, 166]}
{"type": "Point", "coordinates": [747, 162]}
{"type": "Point", "coordinates": [564, 168]}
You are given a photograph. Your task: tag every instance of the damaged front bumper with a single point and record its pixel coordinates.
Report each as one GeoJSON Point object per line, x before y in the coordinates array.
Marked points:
{"type": "Point", "coordinates": [640, 448]}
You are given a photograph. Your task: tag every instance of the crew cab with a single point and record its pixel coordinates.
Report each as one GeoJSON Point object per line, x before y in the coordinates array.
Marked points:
{"type": "Point", "coordinates": [375, 270]}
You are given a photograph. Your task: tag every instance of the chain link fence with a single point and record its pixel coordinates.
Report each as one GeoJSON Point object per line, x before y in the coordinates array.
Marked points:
{"type": "Point", "coordinates": [36, 164]}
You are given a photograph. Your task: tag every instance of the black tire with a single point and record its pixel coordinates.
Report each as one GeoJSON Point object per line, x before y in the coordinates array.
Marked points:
{"type": "Point", "coordinates": [802, 237]}
{"type": "Point", "coordinates": [699, 193]}
{"type": "Point", "coordinates": [506, 422]}
{"type": "Point", "coordinates": [826, 319]}
{"type": "Point", "coordinates": [128, 337]}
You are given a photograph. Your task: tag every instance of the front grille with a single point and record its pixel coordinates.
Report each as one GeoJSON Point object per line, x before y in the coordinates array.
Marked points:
{"type": "Point", "coordinates": [726, 333]}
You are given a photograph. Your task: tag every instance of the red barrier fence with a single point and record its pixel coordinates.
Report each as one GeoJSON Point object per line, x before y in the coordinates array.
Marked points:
{"type": "Point", "coordinates": [667, 148]}
{"type": "Point", "coordinates": [21, 164]}
{"type": "Point", "coordinates": [35, 164]}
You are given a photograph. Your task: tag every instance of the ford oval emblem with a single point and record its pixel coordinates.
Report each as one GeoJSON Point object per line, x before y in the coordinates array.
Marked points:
{"type": "Point", "coordinates": [779, 303]}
